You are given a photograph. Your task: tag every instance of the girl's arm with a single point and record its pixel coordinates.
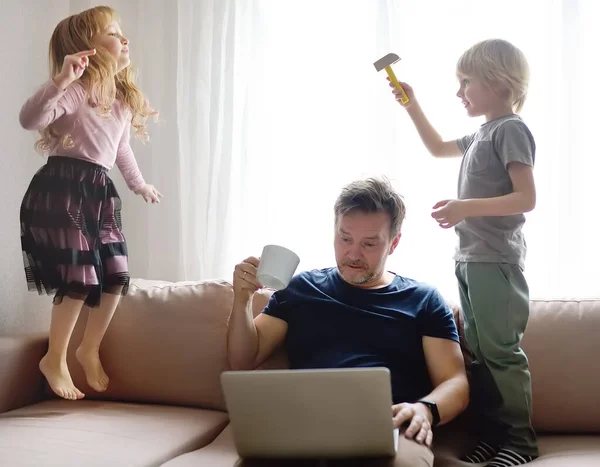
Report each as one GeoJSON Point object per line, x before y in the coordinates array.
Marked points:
{"type": "Point", "coordinates": [126, 161]}
{"type": "Point", "coordinates": [59, 96]}
{"type": "Point", "coordinates": [49, 104]}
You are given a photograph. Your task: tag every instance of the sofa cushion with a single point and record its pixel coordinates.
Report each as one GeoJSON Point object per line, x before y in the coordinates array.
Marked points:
{"type": "Point", "coordinates": [562, 344]}
{"type": "Point", "coordinates": [571, 451]}
{"type": "Point", "coordinates": [220, 453]}
{"type": "Point", "coordinates": [450, 444]}
{"type": "Point", "coordinates": [94, 433]}
{"type": "Point", "coordinates": [19, 360]}
{"type": "Point", "coordinates": [555, 450]}
{"type": "Point", "coordinates": [166, 344]}
{"type": "Point", "coordinates": [562, 347]}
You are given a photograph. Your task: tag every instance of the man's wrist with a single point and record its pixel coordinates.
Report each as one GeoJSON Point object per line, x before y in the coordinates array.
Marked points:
{"type": "Point", "coordinates": [432, 411]}
{"type": "Point", "coordinates": [241, 301]}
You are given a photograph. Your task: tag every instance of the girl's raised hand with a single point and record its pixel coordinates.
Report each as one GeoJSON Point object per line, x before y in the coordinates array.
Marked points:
{"type": "Point", "coordinates": [73, 67]}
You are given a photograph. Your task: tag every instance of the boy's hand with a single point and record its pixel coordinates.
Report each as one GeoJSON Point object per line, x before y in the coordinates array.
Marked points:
{"type": "Point", "coordinates": [149, 193]}
{"type": "Point", "coordinates": [449, 212]}
{"type": "Point", "coordinates": [398, 94]}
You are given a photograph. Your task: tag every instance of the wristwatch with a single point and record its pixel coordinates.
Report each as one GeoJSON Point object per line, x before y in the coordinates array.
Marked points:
{"type": "Point", "coordinates": [435, 413]}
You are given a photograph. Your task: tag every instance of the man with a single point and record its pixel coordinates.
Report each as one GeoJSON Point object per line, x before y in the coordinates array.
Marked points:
{"type": "Point", "coordinates": [361, 315]}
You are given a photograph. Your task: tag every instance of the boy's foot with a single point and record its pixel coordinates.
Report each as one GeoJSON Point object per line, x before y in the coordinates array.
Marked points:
{"type": "Point", "coordinates": [482, 453]}
{"type": "Point", "coordinates": [59, 379]}
{"type": "Point", "coordinates": [509, 458]}
{"type": "Point", "coordinates": [94, 373]}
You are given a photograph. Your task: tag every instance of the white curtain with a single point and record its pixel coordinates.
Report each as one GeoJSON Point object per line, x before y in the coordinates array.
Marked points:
{"type": "Point", "coordinates": [268, 107]}
{"type": "Point", "coordinates": [286, 107]}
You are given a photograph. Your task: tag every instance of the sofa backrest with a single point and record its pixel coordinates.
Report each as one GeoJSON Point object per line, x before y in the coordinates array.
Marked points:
{"type": "Point", "coordinates": [167, 344]}
{"type": "Point", "coordinates": [562, 343]}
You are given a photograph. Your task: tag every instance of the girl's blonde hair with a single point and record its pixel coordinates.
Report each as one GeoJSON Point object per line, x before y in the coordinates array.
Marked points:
{"type": "Point", "coordinates": [498, 62]}
{"type": "Point", "coordinates": [74, 34]}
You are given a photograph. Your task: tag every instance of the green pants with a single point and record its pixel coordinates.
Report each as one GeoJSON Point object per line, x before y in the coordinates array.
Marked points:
{"type": "Point", "coordinates": [495, 303]}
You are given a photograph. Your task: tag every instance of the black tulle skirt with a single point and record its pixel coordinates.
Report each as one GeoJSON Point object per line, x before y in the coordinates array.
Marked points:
{"type": "Point", "coordinates": [71, 232]}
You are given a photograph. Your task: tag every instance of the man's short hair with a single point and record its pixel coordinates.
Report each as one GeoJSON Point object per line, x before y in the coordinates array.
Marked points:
{"type": "Point", "coordinates": [372, 195]}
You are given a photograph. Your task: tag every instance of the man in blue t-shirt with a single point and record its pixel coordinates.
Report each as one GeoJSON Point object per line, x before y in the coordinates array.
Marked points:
{"type": "Point", "coordinates": [360, 315]}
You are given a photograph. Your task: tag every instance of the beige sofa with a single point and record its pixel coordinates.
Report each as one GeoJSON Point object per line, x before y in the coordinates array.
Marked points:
{"type": "Point", "coordinates": [166, 349]}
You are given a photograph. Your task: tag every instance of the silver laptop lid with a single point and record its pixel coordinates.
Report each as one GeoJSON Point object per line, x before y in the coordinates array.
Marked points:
{"type": "Point", "coordinates": [311, 413]}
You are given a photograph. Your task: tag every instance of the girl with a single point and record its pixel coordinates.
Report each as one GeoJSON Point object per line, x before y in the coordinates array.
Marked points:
{"type": "Point", "coordinates": [71, 234]}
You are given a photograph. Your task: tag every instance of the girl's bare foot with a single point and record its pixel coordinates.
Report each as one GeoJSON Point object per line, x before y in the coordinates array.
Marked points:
{"type": "Point", "coordinates": [59, 379]}
{"type": "Point", "coordinates": [94, 373]}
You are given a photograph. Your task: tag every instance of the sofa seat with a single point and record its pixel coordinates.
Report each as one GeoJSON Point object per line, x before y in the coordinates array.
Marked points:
{"type": "Point", "coordinates": [95, 433]}
{"type": "Point", "coordinates": [569, 450]}
{"type": "Point", "coordinates": [555, 451]}
{"type": "Point", "coordinates": [220, 453]}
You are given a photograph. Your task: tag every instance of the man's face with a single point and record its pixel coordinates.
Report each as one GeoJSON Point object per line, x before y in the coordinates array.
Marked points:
{"type": "Point", "coordinates": [362, 244]}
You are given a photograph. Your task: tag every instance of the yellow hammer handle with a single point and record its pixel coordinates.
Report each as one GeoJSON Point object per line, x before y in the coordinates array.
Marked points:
{"type": "Point", "coordinates": [390, 72]}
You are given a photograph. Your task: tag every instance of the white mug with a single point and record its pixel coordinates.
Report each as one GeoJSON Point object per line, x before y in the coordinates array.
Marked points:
{"type": "Point", "coordinates": [277, 266]}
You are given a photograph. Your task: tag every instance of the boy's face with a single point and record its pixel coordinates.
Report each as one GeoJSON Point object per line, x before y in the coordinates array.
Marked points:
{"type": "Point", "coordinates": [480, 99]}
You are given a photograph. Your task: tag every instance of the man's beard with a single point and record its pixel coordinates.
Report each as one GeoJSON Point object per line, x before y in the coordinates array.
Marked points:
{"type": "Point", "coordinates": [362, 279]}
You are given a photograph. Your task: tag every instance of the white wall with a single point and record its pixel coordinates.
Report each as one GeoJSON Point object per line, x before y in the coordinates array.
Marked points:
{"type": "Point", "coordinates": [24, 33]}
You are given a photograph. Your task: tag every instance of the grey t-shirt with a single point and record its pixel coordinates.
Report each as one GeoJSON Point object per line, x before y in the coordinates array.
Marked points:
{"type": "Point", "coordinates": [484, 174]}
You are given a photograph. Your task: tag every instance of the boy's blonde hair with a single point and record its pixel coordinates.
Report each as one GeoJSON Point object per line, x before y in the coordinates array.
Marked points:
{"type": "Point", "coordinates": [103, 83]}
{"type": "Point", "coordinates": [498, 62]}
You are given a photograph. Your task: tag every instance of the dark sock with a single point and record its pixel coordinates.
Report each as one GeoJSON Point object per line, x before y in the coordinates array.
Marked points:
{"type": "Point", "coordinates": [482, 453]}
{"type": "Point", "coordinates": [509, 458]}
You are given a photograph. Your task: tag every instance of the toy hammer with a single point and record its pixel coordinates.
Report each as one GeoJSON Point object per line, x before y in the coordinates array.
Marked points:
{"type": "Point", "coordinates": [387, 62]}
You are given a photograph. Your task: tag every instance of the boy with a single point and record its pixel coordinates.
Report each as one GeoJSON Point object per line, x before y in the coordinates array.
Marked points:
{"type": "Point", "coordinates": [495, 189]}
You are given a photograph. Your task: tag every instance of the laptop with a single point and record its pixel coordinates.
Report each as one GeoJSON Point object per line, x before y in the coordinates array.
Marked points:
{"type": "Point", "coordinates": [325, 413]}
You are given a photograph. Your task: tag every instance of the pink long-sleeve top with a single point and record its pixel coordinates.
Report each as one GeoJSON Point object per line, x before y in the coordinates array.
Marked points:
{"type": "Point", "coordinates": [102, 140]}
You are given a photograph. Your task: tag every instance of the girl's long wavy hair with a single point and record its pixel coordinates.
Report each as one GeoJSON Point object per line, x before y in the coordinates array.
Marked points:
{"type": "Point", "coordinates": [75, 34]}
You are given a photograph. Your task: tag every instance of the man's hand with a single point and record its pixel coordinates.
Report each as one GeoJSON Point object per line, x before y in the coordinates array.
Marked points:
{"type": "Point", "coordinates": [449, 212]}
{"type": "Point", "coordinates": [245, 282]}
{"type": "Point", "coordinates": [418, 417]}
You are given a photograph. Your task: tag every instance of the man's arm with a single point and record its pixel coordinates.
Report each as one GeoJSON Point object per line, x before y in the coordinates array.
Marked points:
{"type": "Point", "coordinates": [446, 368]}
{"type": "Point", "coordinates": [250, 341]}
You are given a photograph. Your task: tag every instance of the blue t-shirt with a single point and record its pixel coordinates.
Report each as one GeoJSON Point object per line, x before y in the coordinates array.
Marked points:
{"type": "Point", "coordinates": [332, 324]}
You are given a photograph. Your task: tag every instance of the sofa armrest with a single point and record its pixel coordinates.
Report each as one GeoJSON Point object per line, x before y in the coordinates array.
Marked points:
{"type": "Point", "coordinates": [21, 382]}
